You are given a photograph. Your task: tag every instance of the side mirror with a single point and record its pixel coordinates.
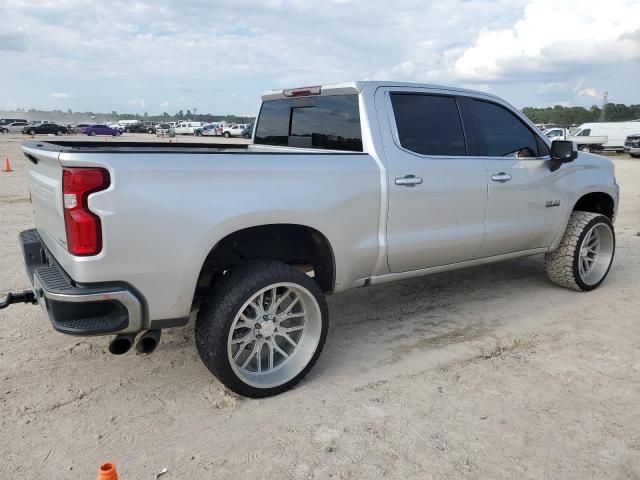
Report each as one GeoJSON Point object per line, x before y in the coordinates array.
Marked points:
{"type": "Point", "coordinates": [562, 151]}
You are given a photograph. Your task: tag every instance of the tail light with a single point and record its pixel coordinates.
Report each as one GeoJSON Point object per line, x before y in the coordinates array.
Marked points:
{"type": "Point", "coordinates": [84, 232]}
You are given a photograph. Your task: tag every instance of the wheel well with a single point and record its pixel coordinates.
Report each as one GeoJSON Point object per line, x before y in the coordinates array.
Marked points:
{"type": "Point", "coordinates": [596, 202]}
{"type": "Point", "coordinates": [296, 245]}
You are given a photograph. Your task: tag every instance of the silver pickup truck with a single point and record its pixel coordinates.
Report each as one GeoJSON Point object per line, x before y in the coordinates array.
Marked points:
{"type": "Point", "coordinates": [343, 186]}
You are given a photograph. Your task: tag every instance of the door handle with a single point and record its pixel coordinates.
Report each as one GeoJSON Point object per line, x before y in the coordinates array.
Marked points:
{"type": "Point", "coordinates": [501, 177]}
{"type": "Point", "coordinates": [409, 181]}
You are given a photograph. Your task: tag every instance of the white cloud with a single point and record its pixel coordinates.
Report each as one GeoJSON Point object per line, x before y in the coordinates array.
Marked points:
{"type": "Point", "coordinates": [555, 37]}
{"type": "Point", "coordinates": [584, 91]}
{"type": "Point", "coordinates": [164, 104]}
{"type": "Point", "coordinates": [61, 95]}
{"type": "Point", "coordinates": [137, 102]}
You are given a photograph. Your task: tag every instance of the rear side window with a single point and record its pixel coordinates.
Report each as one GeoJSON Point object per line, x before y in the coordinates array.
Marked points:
{"type": "Point", "coordinates": [329, 122]}
{"type": "Point", "coordinates": [500, 133]}
{"type": "Point", "coordinates": [429, 124]}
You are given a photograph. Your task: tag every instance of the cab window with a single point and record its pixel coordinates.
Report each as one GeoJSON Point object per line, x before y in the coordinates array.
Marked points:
{"type": "Point", "coordinates": [500, 133]}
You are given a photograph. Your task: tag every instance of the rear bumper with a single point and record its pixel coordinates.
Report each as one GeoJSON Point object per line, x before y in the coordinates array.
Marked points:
{"type": "Point", "coordinates": [75, 309]}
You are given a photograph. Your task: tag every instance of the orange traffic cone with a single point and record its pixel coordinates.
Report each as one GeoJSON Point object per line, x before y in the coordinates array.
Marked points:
{"type": "Point", "coordinates": [107, 471]}
{"type": "Point", "coordinates": [7, 166]}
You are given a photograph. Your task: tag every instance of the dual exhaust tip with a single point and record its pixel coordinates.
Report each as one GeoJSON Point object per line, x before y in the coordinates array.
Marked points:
{"type": "Point", "coordinates": [147, 343]}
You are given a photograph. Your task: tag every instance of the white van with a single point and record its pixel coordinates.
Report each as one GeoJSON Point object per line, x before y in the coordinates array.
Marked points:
{"type": "Point", "coordinates": [188, 128]}
{"type": "Point", "coordinates": [616, 132]}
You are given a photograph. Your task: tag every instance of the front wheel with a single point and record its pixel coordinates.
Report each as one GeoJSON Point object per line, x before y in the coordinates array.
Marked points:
{"type": "Point", "coordinates": [263, 328]}
{"type": "Point", "coordinates": [226, 134]}
{"type": "Point", "coordinates": [59, 133]}
{"type": "Point", "coordinates": [247, 136]}
{"type": "Point", "coordinates": [584, 257]}
{"type": "Point", "coordinates": [92, 134]}
{"type": "Point", "coordinates": [32, 132]}
{"type": "Point", "coordinates": [4, 130]}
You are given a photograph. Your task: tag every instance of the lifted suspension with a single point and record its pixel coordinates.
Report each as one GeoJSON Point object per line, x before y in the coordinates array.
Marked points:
{"type": "Point", "coordinates": [26, 296]}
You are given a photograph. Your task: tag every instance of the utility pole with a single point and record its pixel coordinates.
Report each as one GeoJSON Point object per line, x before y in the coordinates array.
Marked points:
{"type": "Point", "coordinates": [605, 96]}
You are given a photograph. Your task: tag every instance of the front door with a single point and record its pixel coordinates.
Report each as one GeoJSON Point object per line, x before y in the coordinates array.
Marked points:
{"type": "Point", "coordinates": [525, 197]}
{"type": "Point", "coordinates": [437, 193]}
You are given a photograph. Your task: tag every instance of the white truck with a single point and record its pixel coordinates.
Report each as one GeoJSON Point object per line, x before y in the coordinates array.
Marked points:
{"type": "Point", "coordinates": [585, 142]}
{"type": "Point", "coordinates": [615, 133]}
{"type": "Point", "coordinates": [187, 127]}
{"type": "Point", "coordinates": [344, 186]}
{"type": "Point", "coordinates": [235, 130]}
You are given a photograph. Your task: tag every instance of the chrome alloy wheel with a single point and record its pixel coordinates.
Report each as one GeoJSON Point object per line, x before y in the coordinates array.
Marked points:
{"type": "Point", "coordinates": [274, 335]}
{"type": "Point", "coordinates": [595, 253]}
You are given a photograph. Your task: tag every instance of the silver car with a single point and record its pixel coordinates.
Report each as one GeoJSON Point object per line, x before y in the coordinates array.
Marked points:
{"type": "Point", "coordinates": [13, 127]}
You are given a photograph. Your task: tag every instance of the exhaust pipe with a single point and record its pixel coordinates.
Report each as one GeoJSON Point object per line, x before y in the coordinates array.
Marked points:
{"type": "Point", "coordinates": [121, 344]}
{"type": "Point", "coordinates": [148, 341]}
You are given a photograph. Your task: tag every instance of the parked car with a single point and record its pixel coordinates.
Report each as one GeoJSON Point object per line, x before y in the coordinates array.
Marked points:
{"type": "Point", "coordinates": [187, 128]}
{"type": "Point", "coordinates": [46, 128]}
{"type": "Point", "coordinates": [211, 129]}
{"type": "Point", "coordinates": [79, 128]}
{"type": "Point", "coordinates": [6, 121]}
{"type": "Point", "coordinates": [165, 129]}
{"type": "Point", "coordinates": [632, 145]}
{"type": "Point", "coordinates": [94, 130]}
{"type": "Point", "coordinates": [585, 142]}
{"type": "Point", "coordinates": [235, 130]}
{"type": "Point", "coordinates": [13, 127]}
{"type": "Point", "coordinates": [247, 132]}
{"type": "Point", "coordinates": [143, 127]}
{"type": "Point", "coordinates": [369, 183]}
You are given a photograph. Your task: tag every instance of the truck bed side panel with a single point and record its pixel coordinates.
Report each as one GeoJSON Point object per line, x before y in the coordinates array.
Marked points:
{"type": "Point", "coordinates": [164, 212]}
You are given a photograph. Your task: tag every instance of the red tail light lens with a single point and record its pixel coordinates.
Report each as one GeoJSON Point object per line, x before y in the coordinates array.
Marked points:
{"type": "Point", "coordinates": [84, 232]}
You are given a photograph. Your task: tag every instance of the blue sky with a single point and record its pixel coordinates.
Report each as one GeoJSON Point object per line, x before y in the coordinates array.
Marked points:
{"type": "Point", "coordinates": [155, 56]}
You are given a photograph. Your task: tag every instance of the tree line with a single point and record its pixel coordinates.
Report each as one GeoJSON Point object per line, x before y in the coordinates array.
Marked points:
{"type": "Point", "coordinates": [613, 112]}
{"type": "Point", "coordinates": [70, 117]}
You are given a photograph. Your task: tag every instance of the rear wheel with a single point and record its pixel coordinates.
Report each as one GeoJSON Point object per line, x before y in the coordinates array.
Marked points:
{"type": "Point", "coordinates": [263, 328]}
{"type": "Point", "coordinates": [585, 148]}
{"type": "Point", "coordinates": [59, 133]}
{"type": "Point", "coordinates": [92, 133]}
{"type": "Point", "coordinates": [584, 257]}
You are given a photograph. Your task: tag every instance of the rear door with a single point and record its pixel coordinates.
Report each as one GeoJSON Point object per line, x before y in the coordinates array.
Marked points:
{"type": "Point", "coordinates": [525, 197]}
{"type": "Point", "coordinates": [437, 192]}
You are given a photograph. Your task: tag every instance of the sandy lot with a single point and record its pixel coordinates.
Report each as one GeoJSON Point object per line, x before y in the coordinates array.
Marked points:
{"type": "Point", "coordinates": [490, 372]}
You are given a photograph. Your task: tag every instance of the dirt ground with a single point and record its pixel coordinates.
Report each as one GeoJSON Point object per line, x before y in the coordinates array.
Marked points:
{"type": "Point", "coordinates": [490, 372]}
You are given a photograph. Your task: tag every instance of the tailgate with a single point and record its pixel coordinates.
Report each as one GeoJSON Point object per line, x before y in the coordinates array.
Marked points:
{"type": "Point", "coordinates": [45, 186]}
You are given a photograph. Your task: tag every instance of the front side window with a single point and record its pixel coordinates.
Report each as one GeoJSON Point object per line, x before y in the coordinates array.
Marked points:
{"type": "Point", "coordinates": [429, 124]}
{"type": "Point", "coordinates": [330, 122]}
{"type": "Point", "coordinates": [500, 133]}
{"type": "Point", "coordinates": [584, 133]}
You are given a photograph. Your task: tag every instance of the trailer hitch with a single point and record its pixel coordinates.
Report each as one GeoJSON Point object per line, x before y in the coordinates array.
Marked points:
{"type": "Point", "coordinates": [26, 296]}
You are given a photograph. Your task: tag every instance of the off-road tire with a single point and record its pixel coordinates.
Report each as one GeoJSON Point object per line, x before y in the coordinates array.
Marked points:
{"type": "Point", "coordinates": [219, 310]}
{"type": "Point", "coordinates": [562, 264]}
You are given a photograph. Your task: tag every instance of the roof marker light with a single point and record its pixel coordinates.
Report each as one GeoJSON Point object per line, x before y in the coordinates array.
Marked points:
{"type": "Point", "coordinates": [302, 91]}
